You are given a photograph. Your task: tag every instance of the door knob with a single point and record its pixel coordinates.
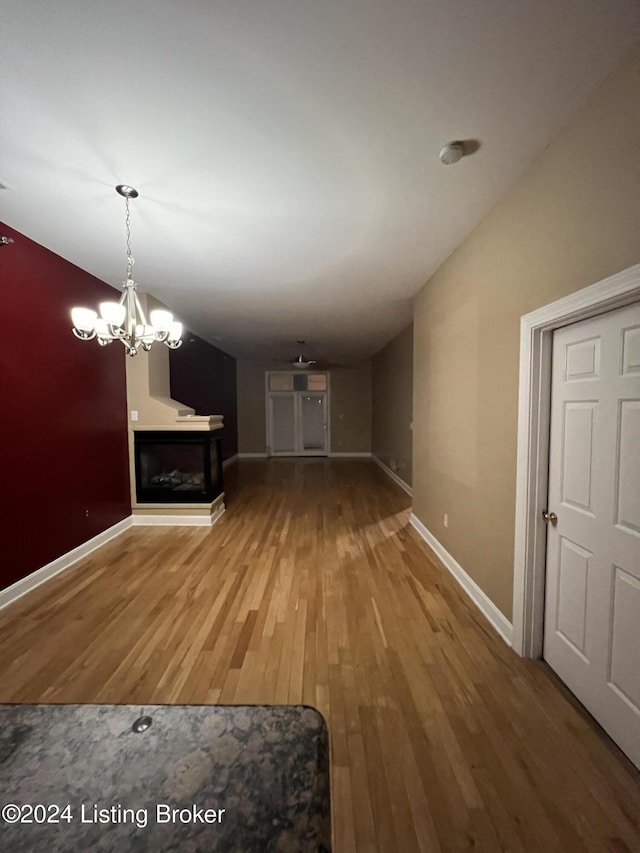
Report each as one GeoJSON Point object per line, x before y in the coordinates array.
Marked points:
{"type": "Point", "coordinates": [550, 517]}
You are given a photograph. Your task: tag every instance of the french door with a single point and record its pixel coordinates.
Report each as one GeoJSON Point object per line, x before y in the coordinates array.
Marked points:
{"type": "Point", "coordinates": [592, 601]}
{"type": "Point", "coordinates": [297, 423]}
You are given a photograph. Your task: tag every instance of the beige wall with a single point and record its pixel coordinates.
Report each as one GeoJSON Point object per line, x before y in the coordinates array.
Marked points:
{"type": "Point", "coordinates": [571, 220]}
{"type": "Point", "coordinates": [252, 425]}
{"type": "Point", "coordinates": [350, 407]}
{"type": "Point", "coordinates": [392, 404]}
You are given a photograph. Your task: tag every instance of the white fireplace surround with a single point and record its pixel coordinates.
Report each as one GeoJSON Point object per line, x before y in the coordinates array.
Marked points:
{"type": "Point", "coordinates": [150, 407]}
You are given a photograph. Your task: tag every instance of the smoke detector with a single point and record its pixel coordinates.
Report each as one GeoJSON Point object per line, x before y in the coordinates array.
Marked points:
{"type": "Point", "coordinates": [451, 153]}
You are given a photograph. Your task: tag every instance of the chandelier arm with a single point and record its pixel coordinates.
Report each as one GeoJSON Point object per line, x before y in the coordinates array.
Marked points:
{"type": "Point", "coordinates": [116, 332]}
{"type": "Point", "coordinates": [130, 320]}
{"type": "Point", "coordinates": [84, 336]}
{"type": "Point", "coordinates": [140, 309]}
{"type": "Point", "coordinates": [127, 306]}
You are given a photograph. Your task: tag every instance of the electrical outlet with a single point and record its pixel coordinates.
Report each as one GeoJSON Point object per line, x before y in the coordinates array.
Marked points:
{"type": "Point", "coordinates": [134, 415]}
{"type": "Point", "coordinates": [446, 519]}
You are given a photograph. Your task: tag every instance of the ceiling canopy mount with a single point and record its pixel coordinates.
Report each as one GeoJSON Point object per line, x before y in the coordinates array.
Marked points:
{"type": "Point", "coordinates": [126, 191]}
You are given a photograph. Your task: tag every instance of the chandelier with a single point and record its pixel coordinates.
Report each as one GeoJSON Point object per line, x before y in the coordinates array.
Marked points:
{"type": "Point", "coordinates": [126, 320]}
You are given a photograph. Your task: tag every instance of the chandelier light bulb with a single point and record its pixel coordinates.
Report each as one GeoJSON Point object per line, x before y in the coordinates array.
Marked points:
{"type": "Point", "coordinates": [175, 332]}
{"type": "Point", "coordinates": [145, 333]}
{"type": "Point", "coordinates": [161, 320]}
{"type": "Point", "coordinates": [113, 312]}
{"type": "Point", "coordinates": [84, 319]}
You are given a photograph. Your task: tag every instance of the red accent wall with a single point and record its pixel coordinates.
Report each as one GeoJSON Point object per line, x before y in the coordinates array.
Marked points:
{"type": "Point", "coordinates": [204, 377]}
{"type": "Point", "coordinates": [63, 428]}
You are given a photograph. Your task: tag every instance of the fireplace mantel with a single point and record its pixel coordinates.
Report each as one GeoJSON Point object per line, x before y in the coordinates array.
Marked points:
{"type": "Point", "coordinates": [185, 422]}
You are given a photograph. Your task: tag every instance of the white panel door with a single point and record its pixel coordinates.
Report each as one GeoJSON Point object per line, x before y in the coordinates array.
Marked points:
{"type": "Point", "coordinates": [313, 424]}
{"type": "Point", "coordinates": [282, 414]}
{"type": "Point", "coordinates": [592, 601]}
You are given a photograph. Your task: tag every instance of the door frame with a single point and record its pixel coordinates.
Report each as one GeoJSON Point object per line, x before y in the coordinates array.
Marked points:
{"type": "Point", "coordinates": [534, 399]}
{"type": "Point", "coordinates": [327, 403]}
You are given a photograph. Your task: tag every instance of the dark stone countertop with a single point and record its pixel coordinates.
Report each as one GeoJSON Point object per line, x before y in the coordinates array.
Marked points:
{"type": "Point", "coordinates": [267, 767]}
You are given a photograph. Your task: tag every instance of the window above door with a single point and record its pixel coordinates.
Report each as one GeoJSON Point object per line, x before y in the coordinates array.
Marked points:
{"type": "Point", "coordinates": [297, 381]}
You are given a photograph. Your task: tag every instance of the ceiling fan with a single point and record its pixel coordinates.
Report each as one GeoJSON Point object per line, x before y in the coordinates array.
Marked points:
{"type": "Point", "coordinates": [301, 361]}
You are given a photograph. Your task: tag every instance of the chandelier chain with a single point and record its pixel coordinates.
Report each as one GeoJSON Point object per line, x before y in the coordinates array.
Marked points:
{"type": "Point", "coordinates": [127, 221]}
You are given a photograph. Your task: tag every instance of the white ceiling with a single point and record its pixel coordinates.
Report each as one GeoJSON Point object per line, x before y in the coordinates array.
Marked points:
{"type": "Point", "coordinates": [285, 151]}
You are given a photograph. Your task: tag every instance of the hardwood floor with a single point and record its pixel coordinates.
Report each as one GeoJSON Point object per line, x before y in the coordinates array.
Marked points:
{"type": "Point", "coordinates": [312, 588]}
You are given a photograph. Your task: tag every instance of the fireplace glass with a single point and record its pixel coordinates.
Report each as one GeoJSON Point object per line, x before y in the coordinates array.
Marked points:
{"type": "Point", "coordinates": [177, 467]}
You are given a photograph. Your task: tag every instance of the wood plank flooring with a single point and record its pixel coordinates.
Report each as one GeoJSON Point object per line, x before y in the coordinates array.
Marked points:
{"type": "Point", "coordinates": [312, 588]}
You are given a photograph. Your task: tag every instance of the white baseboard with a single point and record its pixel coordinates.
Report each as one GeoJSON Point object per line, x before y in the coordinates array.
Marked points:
{"type": "Point", "coordinates": [24, 585]}
{"type": "Point", "coordinates": [230, 461]}
{"type": "Point", "coordinates": [40, 576]}
{"type": "Point", "coordinates": [407, 488]}
{"type": "Point", "coordinates": [332, 455]}
{"type": "Point", "coordinates": [178, 520]}
{"type": "Point", "coordinates": [479, 598]}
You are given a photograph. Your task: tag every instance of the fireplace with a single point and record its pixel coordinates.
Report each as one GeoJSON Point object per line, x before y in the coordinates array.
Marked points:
{"type": "Point", "coordinates": [177, 466]}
